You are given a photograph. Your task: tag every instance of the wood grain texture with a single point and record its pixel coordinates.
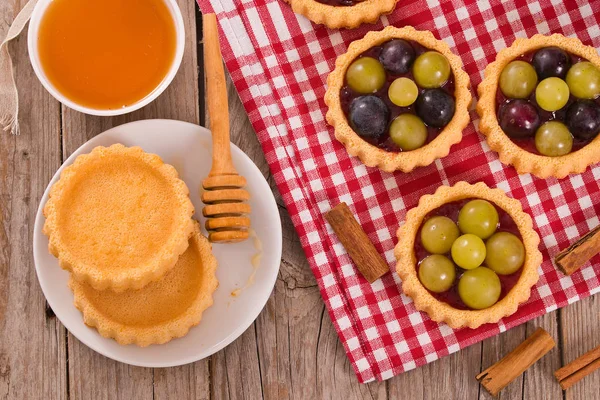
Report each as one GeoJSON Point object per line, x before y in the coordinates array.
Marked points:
{"type": "Point", "coordinates": [538, 382]}
{"type": "Point", "coordinates": [32, 342]}
{"type": "Point", "coordinates": [453, 376]}
{"type": "Point", "coordinates": [580, 332]}
{"type": "Point", "coordinates": [493, 350]}
{"type": "Point", "coordinates": [514, 364]}
{"type": "Point", "coordinates": [291, 352]}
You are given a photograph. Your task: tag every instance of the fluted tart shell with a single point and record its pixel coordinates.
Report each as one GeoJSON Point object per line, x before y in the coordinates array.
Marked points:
{"type": "Point", "coordinates": [406, 260]}
{"type": "Point", "coordinates": [508, 151]}
{"type": "Point", "coordinates": [374, 156]}
{"type": "Point", "coordinates": [118, 218]}
{"type": "Point", "coordinates": [160, 311]}
{"type": "Point", "coordinates": [335, 17]}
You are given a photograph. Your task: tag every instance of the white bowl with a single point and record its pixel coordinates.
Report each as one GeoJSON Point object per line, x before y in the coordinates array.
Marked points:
{"type": "Point", "coordinates": [32, 42]}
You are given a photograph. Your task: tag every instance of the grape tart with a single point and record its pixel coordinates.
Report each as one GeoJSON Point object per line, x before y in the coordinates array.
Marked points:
{"type": "Point", "coordinates": [539, 105]}
{"type": "Point", "coordinates": [398, 99]}
{"type": "Point", "coordinates": [337, 14]}
{"type": "Point", "coordinates": [445, 269]}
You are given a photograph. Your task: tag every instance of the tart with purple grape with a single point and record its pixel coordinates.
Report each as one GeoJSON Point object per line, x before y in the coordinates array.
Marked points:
{"type": "Point", "coordinates": [398, 99]}
{"type": "Point", "coordinates": [467, 255]}
{"type": "Point", "coordinates": [343, 13]}
{"type": "Point", "coordinates": [540, 106]}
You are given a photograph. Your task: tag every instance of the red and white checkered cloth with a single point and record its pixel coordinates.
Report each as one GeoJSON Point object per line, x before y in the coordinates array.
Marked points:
{"type": "Point", "coordinates": [279, 63]}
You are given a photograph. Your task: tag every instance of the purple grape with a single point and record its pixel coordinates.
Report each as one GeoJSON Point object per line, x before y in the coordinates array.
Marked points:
{"type": "Point", "coordinates": [397, 56]}
{"type": "Point", "coordinates": [519, 119]}
{"type": "Point", "coordinates": [551, 61]}
{"type": "Point", "coordinates": [435, 107]}
{"type": "Point", "coordinates": [369, 116]}
{"type": "Point", "coordinates": [583, 119]}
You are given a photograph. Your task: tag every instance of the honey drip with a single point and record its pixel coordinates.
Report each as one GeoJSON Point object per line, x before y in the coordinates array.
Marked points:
{"type": "Point", "coordinates": [255, 261]}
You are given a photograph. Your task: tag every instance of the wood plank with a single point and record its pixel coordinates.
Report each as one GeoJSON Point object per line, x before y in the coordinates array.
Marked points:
{"type": "Point", "coordinates": [580, 330]}
{"type": "Point", "coordinates": [105, 378]}
{"type": "Point", "coordinates": [93, 376]}
{"type": "Point", "coordinates": [235, 370]}
{"type": "Point", "coordinates": [538, 381]}
{"type": "Point", "coordinates": [452, 377]}
{"type": "Point", "coordinates": [493, 349]}
{"type": "Point", "coordinates": [184, 382]}
{"type": "Point", "coordinates": [32, 349]}
{"type": "Point", "coordinates": [539, 375]}
{"type": "Point", "coordinates": [335, 376]}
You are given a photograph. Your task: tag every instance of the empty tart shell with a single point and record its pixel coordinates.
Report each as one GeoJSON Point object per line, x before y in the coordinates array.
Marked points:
{"type": "Point", "coordinates": [118, 218]}
{"type": "Point", "coordinates": [334, 17]}
{"type": "Point", "coordinates": [406, 260]}
{"type": "Point", "coordinates": [160, 311]}
{"type": "Point", "coordinates": [374, 156]}
{"type": "Point", "coordinates": [509, 152]}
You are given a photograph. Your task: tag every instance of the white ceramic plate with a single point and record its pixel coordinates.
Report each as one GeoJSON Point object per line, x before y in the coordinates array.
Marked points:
{"type": "Point", "coordinates": [188, 148]}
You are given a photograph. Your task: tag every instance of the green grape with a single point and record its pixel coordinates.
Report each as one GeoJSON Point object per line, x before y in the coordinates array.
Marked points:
{"type": "Point", "coordinates": [552, 94]}
{"type": "Point", "coordinates": [431, 70]}
{"type": "Point", "coordinates": [408, 132]}
{"type": "Point", "coordinates": [478, 217]}
{"type": "Point", "coordinates": [365, 75]}
{"type": "Point", "coordinates": [505, 253]}
{"type": "Point", "coordinates": [518, 79]}
{"type": "Point", "coordinates": [403, 92]}
{"type": "Point", "coordinates": [468, 251]}
{"type": "Point", "coordinates": [437, 273]}
{"type": "Point", "coordinates": [553, 139]}
{"type": "Point", "coordinates": [479, 288]}
{"type": "Point", "coordinates": [438, 234]}
{"type": "Point", "coordinates": [584, 80]}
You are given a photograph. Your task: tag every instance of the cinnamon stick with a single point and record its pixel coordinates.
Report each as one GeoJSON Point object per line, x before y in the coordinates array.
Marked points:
{"type": "Point", "coordinates": [499, 375]}
{"type": "Point", "coordinates": [356, 242]}
{"type": "Point", "coordinates": [572, 258]}
{"type": "Point", "coordinates": [573, 372]}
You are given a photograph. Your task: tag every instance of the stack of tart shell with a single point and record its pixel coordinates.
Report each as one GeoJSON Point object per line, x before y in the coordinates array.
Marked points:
{"type": "Point", "coordinates": [120, 221]}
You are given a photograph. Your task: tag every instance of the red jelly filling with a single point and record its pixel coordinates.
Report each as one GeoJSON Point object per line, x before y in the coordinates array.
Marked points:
{"type": "Point", "coordinates": [451, 210]}
{"type": "Point", "coordinates": [545, 116]}
{"type": "Point", "coordinates": [385, 142]}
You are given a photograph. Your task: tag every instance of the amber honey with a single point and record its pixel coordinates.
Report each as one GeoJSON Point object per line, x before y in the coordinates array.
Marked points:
{"type": "Point", "coordinates": [106, 54]}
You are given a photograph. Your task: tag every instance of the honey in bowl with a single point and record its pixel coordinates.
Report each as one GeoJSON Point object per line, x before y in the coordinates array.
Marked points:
{"type": "Point", "coordinates": [106, 54]}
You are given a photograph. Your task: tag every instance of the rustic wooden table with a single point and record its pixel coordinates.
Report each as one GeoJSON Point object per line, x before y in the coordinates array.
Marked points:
{"type": "Point", "coordinates": [290, 352]}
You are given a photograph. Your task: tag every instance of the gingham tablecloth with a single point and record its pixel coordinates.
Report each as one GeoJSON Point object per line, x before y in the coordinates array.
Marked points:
{"type": "Point", "coordinates": [279, 63]}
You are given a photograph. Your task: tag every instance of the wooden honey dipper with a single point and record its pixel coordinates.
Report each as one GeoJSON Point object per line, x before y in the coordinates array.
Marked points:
{"type": "Point", "coordinates": [226, 211]}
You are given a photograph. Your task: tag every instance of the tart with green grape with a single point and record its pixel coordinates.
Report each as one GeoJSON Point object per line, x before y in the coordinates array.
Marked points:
{"type": "Point", "coordinates": [398, 99]}
{"type": "Point", "coordinates": [343, 13]}
{"type": "Point", "coordinates": [539, 105]}
{"type": "Point", "coordinates": [467, 255]}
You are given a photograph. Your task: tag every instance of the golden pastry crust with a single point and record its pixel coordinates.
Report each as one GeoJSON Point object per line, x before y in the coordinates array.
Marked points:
{"type": "Point", "coordinates": [161, 310]}
{"type": "Point", "coordinates": [118, 218]}
{"type": "Point", "coordinates": [509, 152]}
{"type": "Point", "coordinates": [443, 312]}
{"type": "Point", "coordinates": [365, 12]}
{"type": "Point", "coordinates": [373, 156]}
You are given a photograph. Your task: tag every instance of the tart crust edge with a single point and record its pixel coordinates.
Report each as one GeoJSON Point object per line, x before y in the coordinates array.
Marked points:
{"type": "Point", "coordinates": [442, 312]}
{"type": "Point", "coordinates": [171, 329]}
{"type": "Point", "coordinates": [509, 152]}
{"type": "Point", "coordinates": [365, 12]}
{"type": "Point", "coordinates": [165, 260]}
{"type": "Point", "coordinates": [373, 156]}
